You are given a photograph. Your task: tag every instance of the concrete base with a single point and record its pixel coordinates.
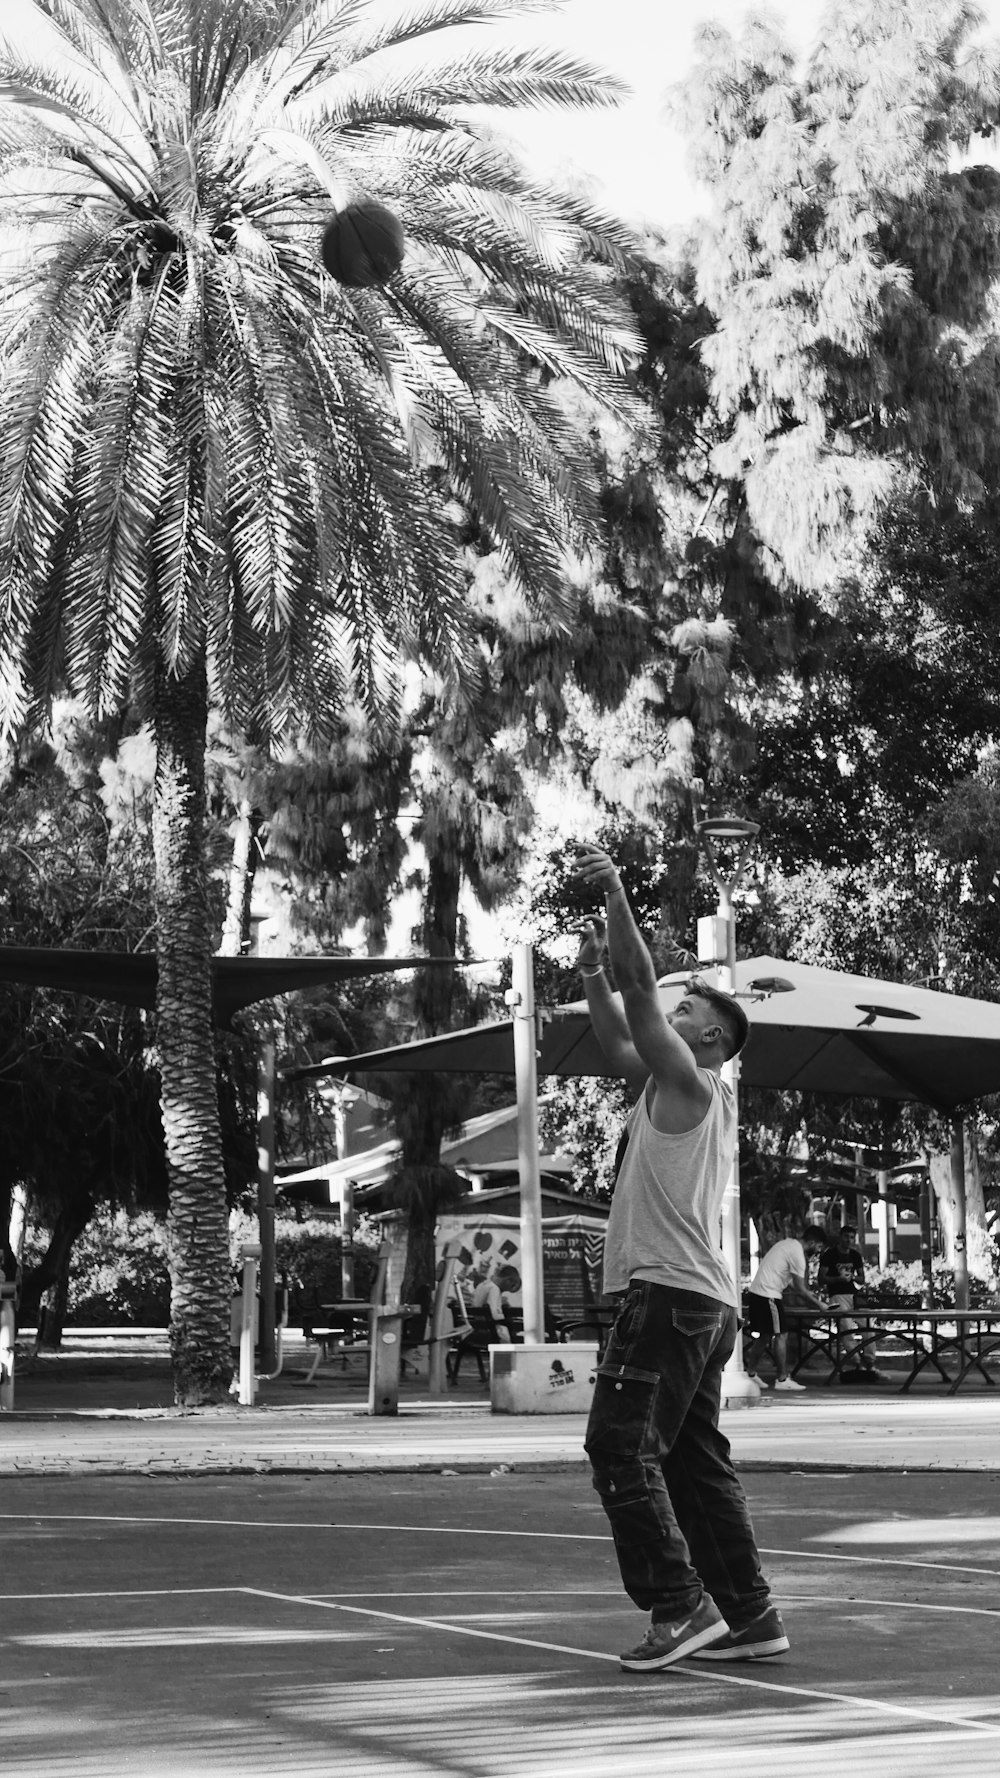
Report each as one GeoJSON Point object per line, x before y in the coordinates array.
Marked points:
{"type": "Point", "coordinates": [739, 1390]}
{"type": "Point", "coordinates": [543, 1379]}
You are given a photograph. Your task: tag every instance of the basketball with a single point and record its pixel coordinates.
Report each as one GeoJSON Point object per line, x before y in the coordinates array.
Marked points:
{"type": "Point", "coordinates": [363, 245]}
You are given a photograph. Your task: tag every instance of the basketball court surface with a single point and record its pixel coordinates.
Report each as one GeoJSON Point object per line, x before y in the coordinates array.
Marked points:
{"type": "Point", "coordinates": [457, 1625]}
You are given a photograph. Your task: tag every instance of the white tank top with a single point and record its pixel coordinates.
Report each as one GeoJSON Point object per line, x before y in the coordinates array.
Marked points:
{"type": "Point", "coordinates": [666, 1214]}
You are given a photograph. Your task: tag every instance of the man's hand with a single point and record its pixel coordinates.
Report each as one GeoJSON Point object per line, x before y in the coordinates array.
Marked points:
{"type": "Point", "coordinates": [593, 939]}
{"type": "Point", "coordinates": [595, 869]}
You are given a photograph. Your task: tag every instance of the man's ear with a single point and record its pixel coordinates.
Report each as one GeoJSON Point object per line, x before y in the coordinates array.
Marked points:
{"type": "Point", "coordinates": [712, 1034]}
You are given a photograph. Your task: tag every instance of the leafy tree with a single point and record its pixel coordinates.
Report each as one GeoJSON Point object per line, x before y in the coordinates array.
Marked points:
{"type": "Point", "coordinates": [79, 1086]}
{"type": "Point", "coordinates": [213, 478]}
{"type": "Point", "coordinates": [585, 1119]}
{"type": "Point", "coordinates": [850, 272]}
{"type": "Point", "coordinates": [897, 708]}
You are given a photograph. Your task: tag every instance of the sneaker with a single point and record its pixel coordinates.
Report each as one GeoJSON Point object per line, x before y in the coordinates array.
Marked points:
{"type": "Point", "coordinates": [671, 1639]}
{"type": "Point", "coordinates": [763, 1636]}
{"type": "Point", "coordinates": [789, 1384]}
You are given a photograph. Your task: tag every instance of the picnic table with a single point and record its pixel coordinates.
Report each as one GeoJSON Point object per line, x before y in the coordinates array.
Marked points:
{"type": "Point", "coordinates": [580, 1321]}
{"type": "Point", "coordinates": [339, 1325]}
{"type": "Point", "coordinates": [924, 1336]}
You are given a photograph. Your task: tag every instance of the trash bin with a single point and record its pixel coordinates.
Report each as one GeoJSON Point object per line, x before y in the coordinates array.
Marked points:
{"type": "Point", "coordinates": [543, 1379]}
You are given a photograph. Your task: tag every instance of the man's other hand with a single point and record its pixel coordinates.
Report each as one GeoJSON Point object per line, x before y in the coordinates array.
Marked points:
{"type": "Point", "coordinates": [593, 939]}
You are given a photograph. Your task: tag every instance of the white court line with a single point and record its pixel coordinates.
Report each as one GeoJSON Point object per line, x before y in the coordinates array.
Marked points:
{"type": "Point", "coordinates": [885, 1561]}
{"type": "Point", "coordinates": [448, 1626]}
{"type": "Point", "coordinates": [494, 1592]}
{"type": "Point", "coordinates": [458, 1531]}
{"type": "Point", "coordinates": [884, 1604]}
{"type": "Point", "coordinates": [906, 1711]}
{"type": "Point", "coordinates": [297, 1525]}
{"type": "Point", "coordinates": [123, 1593]}
{"type": "Point", "coordinates": [614, 1593]}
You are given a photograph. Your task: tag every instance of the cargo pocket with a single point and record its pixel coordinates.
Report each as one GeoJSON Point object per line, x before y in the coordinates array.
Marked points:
{"type": "Point", "coordinates": [621, 1410]}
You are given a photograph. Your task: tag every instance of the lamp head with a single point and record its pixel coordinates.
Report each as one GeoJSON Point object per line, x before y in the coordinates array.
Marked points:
{"type": "Point", "coordinates": [726, 827]}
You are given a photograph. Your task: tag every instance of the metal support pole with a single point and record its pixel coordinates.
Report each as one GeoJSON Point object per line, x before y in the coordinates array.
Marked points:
{"type": "Point", "coordinates": [926, 1246]}
{"type": "Point", "coordinates": [886, 1227]}
{"type": "Point", "coordinates": [738, 1390]}
{"type": "Point", "coordinates": [8, 1328]}
{"type": "Point", "coordinates": [958, 1202]}
{"type": "Point", "coordinates": [265, 1199]}
{"type": "Point", "coordinates": [347, 1240]}
{"type": "Point", "coordinates": [737, 1387]}
{"type": "Point", "coordinates": [522, 1003]}
{"type": "Point", "coordinates": [248, 1326]}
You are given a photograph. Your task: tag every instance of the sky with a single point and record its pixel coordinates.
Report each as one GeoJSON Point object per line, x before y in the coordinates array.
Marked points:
{"type": "Point", "coordinates": [638, 159]}
{"type": "Point", "coordinates": [633, 160]}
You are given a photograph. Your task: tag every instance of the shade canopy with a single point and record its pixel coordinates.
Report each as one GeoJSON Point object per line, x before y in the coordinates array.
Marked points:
{"type": "Point", "coordinates": [811, 1030]}
{"type": "Point", "coordinates": [130, 977]}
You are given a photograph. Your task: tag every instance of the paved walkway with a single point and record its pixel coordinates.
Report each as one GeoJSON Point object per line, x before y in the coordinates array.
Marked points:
{"type": "Point", "coordinates": [71, 1418]}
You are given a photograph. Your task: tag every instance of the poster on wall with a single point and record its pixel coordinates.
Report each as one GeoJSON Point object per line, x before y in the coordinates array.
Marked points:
{"type": "Point", "coordinates": [572, 1255]}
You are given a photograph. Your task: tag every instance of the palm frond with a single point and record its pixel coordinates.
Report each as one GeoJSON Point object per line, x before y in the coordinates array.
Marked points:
{"type": "Point", "coordinates": [353, 33]}
{"type": "Point", "coordinates": [506, 78]}
{"type": "Point", "coordinates": [108, 587]}
{"type": "Point", "coordinates": [140, 33]}
{"type": "Point", "coordinates": [69, 110]}
{"type": "Point", "coordinates": [93, 35]}
{"type": "Point", "coordinates": [212, 448]}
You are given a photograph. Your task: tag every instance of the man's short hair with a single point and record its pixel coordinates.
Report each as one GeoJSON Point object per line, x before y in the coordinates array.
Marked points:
{"type": "Point", "coordinates": [731, 1016]}
{"type": "Point", "coordinates": [812, 1232]}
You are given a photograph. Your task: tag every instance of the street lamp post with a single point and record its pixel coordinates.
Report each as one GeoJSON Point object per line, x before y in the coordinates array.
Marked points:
{"type": "Point", "coordinates": [717, 945]}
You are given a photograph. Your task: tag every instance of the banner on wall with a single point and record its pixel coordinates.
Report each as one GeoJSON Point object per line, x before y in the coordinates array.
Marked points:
{"type": "Point", "coordinates": [572, 1254]}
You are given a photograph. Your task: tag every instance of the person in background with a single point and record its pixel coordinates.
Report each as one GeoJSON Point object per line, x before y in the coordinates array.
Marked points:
{"type": "Point", "coordinates": [508, 1281]}
{"type": "Point", "coordinates": [842, 1275]}
{"type": "Point", "coordinates": [783, 1268]}
{"type": "Point", "coordinates": [661, 1465]}
{"type": "Point", "coordinates": [488, 1294]}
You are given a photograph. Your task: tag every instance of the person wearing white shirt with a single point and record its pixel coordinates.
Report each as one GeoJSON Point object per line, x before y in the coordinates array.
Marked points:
{"type": "Point", "coordinates": [782, 1270]}
{"type": "Point", "coordinates": [493, 1294]}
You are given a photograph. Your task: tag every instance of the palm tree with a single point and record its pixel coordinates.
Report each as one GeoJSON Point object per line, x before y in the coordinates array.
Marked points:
{"type": "Point", "coordinates": [221, 468]}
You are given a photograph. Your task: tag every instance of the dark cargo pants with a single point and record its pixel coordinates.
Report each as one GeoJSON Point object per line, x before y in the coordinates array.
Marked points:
{"type": "Point", "coordinates": [662, 1467]}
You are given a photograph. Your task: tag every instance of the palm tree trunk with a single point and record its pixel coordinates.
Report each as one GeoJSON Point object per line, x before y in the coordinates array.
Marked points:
{"type": "Point", "coordinates": [427, 1105]}
{"type": "Point", "coordinates": [197, 1224]}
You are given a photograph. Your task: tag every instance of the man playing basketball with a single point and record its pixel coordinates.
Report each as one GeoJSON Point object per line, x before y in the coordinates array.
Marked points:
{"type": "Point", "coordinates": [682, 1530]}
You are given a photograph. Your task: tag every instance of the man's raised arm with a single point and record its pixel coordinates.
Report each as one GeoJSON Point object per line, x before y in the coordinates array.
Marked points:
{"type": "Point", "coordinates": [606, 1013]}
{"type": "Point", "coordinates": [659, 1050]}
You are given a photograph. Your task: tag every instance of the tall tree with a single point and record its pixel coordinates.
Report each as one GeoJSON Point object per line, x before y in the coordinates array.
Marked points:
{"type": "Point", "coordinates": [849, 270]}
{"type": "Point", "coordinates": [79, 1087]}
{"type": "Point", "coordinates": [213, 485]}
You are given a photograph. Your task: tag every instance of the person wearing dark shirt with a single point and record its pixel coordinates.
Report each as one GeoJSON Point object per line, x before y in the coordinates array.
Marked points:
{"type": "Point", "coordinates": [842, 1276]}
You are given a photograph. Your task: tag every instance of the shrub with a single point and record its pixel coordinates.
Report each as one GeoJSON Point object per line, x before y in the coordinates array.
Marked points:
{"type": "Point", "coordinates": [308, 1253]}
{"type": "Point", "coordinates": [901, 1286]}
{"type": "Point", "coordinates": [119, 1275]}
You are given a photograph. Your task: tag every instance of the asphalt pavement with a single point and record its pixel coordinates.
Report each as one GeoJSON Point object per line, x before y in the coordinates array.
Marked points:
{"type": "Point", "coordinates": [468, 1626]}
{"type": "Point", "coordinates": [298, 1588]}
